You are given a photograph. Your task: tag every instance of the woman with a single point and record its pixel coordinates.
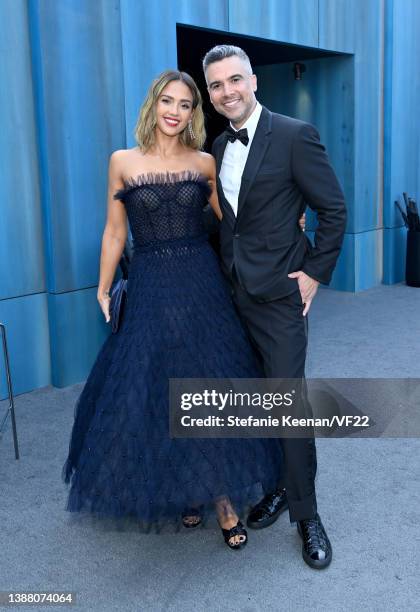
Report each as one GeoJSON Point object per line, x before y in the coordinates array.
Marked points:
{"type": "Point", "coordinates": [179, 322]}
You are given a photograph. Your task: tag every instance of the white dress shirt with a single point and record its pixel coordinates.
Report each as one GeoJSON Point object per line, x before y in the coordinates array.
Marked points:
{"type": "Point", "coordinates": [234, 160]}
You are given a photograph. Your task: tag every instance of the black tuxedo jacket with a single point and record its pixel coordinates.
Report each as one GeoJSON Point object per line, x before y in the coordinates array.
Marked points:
{"type": "Point", "coordinates": [287, 168]}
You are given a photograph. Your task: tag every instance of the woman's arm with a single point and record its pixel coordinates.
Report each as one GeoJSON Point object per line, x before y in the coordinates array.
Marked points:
{"type": "Point", "coordinates": [115, 233]}
{"type": "Point", "coordinates": [209, 169]}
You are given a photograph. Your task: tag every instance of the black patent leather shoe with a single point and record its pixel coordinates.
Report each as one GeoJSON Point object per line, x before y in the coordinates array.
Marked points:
{"type": "Point", "coordinates": [268, 510]}
{"type": "Point", "coordinates": [316, 547]}
{"type": "Point", "coordinates": [237, 530]}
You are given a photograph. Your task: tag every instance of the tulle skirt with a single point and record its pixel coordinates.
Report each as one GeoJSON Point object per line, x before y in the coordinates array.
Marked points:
{"type": "Point", "coordinates": [179, 322]}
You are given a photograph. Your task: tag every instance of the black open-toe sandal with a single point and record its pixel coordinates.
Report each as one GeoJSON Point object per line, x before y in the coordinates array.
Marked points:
{"type": "Point", "coordinates": [191, 518]}
{"type": "Point", "coordinates": [238, 530]}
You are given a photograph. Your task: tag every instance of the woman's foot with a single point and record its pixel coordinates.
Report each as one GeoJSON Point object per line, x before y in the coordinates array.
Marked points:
{"type": "Point", "coordinates": [236, 536]}
{"type": "Point", "coordinates": [191, 518]}
{"type": "Point", "coordinates": [233, 531]}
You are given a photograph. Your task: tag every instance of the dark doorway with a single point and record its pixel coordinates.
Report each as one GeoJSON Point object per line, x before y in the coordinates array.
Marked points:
{"type": "Point", "coordinates": [324, 96]}
{"type": "Point", "coordinates": [193, 43]}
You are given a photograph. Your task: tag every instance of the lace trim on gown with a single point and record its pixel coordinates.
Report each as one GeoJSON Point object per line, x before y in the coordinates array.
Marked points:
{"type": "Point", "coordinates": [162, 178]}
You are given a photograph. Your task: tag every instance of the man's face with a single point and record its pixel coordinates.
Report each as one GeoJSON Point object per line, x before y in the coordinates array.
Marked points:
{"type": "Point", "coordinates": [231, 89]}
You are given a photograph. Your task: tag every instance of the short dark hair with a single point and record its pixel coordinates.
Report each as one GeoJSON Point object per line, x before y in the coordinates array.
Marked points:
{"type": "Point", "coordinates": [220, 52]}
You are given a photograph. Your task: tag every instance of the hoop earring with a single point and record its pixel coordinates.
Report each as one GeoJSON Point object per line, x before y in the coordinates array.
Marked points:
{"type": "Point", "coordinates": [190, 130]}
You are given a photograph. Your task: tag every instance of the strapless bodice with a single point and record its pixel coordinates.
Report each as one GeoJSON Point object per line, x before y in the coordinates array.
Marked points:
{"type": "Point", "coordinates": [162, 207]}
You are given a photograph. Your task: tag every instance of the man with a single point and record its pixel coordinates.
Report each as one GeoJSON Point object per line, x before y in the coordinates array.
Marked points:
{"type": "Point", "coordinates": [268, 167]}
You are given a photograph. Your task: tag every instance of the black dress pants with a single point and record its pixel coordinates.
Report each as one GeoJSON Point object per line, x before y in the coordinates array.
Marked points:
{"type": "Point", "coordinates": [279, 332]}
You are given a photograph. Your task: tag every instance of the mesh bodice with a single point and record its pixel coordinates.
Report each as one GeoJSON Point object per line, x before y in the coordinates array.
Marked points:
{"type": "Point", "coordinates": [164, 207]}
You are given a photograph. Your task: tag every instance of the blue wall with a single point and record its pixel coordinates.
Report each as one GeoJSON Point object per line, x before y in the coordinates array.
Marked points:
{"type": "Point", "coordinates": [402, 126]}
{"type": "Point", "coordinates": [77, 72]}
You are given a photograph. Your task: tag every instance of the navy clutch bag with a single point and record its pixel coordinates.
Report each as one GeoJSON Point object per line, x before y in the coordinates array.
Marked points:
{"type": "Point", "coordinates": [119, 295]}
{"type": "Point", "coordinates": [117, 304]}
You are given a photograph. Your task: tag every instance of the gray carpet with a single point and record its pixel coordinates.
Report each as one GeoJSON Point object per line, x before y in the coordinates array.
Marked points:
{"type": "Point", "coordinates": [368, 496]}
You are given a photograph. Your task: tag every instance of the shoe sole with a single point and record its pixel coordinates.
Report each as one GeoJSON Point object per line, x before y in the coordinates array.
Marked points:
{"type": "Point", "coordinates": [267, 522]}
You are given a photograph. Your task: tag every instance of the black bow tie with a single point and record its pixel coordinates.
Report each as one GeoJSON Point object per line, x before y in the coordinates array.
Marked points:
{"type": "Point", "coordinates": [241, 135]}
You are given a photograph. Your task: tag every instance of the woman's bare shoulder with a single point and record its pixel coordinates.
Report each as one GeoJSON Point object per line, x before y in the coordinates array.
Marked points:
{"type": "Point", "coordinates": [124, 154]}
{"type": "Point", "coordinates": [124, 161]}
{"type": "Point", "coordinates": [206, 162]}
{"type": "Point", "coordinates": [205, 156]}
{"type": "Point", "coordinates": [117, 158]}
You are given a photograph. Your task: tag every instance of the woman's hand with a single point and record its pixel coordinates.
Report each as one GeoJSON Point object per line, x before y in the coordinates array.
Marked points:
{"type": "Point", "coordinates": [302, 222]}
{"type": "Point", "coordinates": [104, 300]}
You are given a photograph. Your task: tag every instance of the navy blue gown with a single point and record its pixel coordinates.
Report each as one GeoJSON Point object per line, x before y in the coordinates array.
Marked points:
{"type": "Point", "coordinates": [179, 322]}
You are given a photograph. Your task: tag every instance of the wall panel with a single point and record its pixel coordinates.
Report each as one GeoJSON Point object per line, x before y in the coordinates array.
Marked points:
{"type": "Point", "coordinates": [146, 56]}
{"type": "Point", "coordinates": [293, 21]}
{"type": "Point", "coordinates": [337, 25]}
{"type": "Point", "coordinates": [22, 240]}
{"type": "Point", "coordinates": [79, 90]}
{"type": "Point", "coordinates": [368, 113]}
{"type": "Point", "coordinates": [402, 133]}
{"type": "Point", "coordinates": [78, 330]}
{"type": "Point", "coordinates": [26, 321]}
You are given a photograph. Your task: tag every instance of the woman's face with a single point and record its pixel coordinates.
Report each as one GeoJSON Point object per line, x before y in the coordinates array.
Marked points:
{"type": "Point", "coordinates": [174, 108]}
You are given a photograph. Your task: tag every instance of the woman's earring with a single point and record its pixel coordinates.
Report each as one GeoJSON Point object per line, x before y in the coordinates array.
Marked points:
{"type": "Point", "coordinates": [190, 130]}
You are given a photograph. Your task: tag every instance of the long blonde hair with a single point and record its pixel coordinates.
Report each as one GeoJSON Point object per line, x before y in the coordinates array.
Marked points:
{"type": "Point", "coordinates": [144, 131]}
